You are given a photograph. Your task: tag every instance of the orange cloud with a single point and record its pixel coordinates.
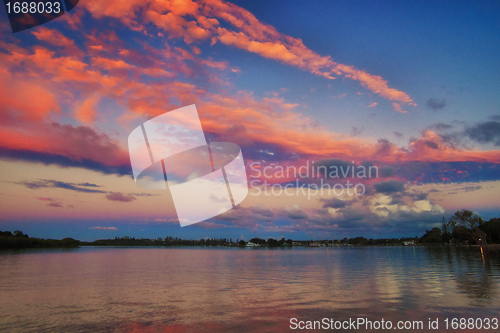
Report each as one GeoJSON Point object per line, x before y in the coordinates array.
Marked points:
{"type": "Point", "coordinates": [78, 143]}
{"type": "Point", "coordinates": [374, 83]}
{"type": "Point", "coordinates": [194, 22]}
{"type": "Point", "coordinates": [431, 147]}
{"type": "Point", "coordinates": [116, 72]}
{"type": "Point", "coordinates": [86, 112]}
{"type": "Point", "coordinates": [397, 107]}
{"type": "Point", "coordinates": [110, 64]}
{"type": "Point", "coordinates": [24, 100]}
{"type": "Point", "coordinates": [53, 37]}
{"type": "Point", "coordinates": [266, 41]}
{"type": "Point", "coordinates": [177, 26]}
{"type": "Point", "coordinates": [122, 10]}
{"type": "Point", "coordinates": [221, 65]}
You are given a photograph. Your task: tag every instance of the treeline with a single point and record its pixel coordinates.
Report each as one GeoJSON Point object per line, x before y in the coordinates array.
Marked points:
{"type": "Point", "coordinates": [20, 240]}
{"type": "Point", "coordinates": [255, 242]}
{"type": "Point", "coordinates": [464, 228]}
{"type": "Point", "coordinates": [171, 241]}
{"type": "Point", "coordinates": [356, 241]}
{"type": "Point", "coordinates": [168, 241]}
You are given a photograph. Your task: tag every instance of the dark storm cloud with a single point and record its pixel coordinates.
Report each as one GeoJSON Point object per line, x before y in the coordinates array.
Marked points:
{"type": "Point", "coordinates": [401, 198]}
{"type": "Point", "coordinates": [296, 214]}
{"type": "Point", "coordinates": [397, 199]}
{"type": "Point", "coordinates": [387, 171]}
{"type": "Point", "coordinates": [390, 186]}
{"type": "Point", "coordinates": [471, 188]}
{"type": "Point", "coordinates": [483, 132]}
{"type": "Point", "coordinates": [420, 196]}
{"type": "Point", "coordinates": [88, 184]}
{"type": "Point", "coordinates": [436, 104]}
{"type": "Point", "coordinates": [333, 203]}
{"type": "Point", "coordinates": [64, 161]}
{"type": "Point", "coordinates": [333, 164]}
{"type": "Point", "coordinates": [348, 221]}
{"type": "Point", "coordinates": [44, 183]}
{"type": "Point", "coordinates": [487, 132]}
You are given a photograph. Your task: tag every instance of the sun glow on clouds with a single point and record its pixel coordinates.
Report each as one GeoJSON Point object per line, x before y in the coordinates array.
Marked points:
{"type": "Point", "coordinates": [174, 17]}
{"type": "Point", "coordinates": [264, 120]}
{"type": "Point", "coordinates": [102, 196]}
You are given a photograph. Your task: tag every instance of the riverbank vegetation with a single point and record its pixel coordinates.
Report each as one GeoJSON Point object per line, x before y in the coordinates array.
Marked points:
{"type": "Point", "coordinates": [462, 229]}
{"type": "Point", "coordinates": [18, 239]}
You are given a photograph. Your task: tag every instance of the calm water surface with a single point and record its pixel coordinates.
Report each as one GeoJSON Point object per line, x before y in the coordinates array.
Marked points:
{"type": "Point", "coordinates": [107, 289]}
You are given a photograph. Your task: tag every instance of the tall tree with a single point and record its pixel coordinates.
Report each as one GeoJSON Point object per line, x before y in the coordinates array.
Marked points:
{"type": "Point", "coordinates": [467, 219]}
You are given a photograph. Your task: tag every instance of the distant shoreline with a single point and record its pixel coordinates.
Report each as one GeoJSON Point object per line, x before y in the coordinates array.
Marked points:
{"type": "Point", "coordinates": [18, 239]}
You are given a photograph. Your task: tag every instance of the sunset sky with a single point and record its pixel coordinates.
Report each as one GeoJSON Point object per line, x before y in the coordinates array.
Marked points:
{"type": "Point", "coordinates": [410, 87]}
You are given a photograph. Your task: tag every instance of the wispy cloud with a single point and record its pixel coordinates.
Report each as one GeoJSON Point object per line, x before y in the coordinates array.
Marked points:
{"type": "Point", "coordinates": [61, 160]}
{"type": "Point", "coordinates": [435, 104]}
{"type": "Point", "coordinates": [117, 196]}
{"type": "Point", "coordinates": [51, 202]}
{"type": "Point", "coordinates": [210, 225]}
{"type": "Point", "coordinates": [44, 183]}
{"type": "Point", "coordinates": [192, 22]}
{"type": "Point", "coordinates": [103, 228]}
{"type": "Point", "coordinates": [118, 74]}
{"type": "Point", "coordinates": [45, 199]}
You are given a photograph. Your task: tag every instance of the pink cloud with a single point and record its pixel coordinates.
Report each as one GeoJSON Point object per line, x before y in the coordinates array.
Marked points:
{"type": "Point", "coordinates": [103, 228]}
{"type": "Point", "coordinates": [117, 196]}
{"type": "Point", "coordinates": [86, 112]}
{"type": "Point", "coordinates": [115, 71]}
{"type": "Point", "coordinates": [17, 96]}
{"type": "Point", "coordinates": [56, 38]}
{"type": "Point", "coordinates": [193, 22]}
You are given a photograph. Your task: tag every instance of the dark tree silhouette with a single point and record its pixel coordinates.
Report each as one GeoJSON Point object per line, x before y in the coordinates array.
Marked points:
{"type": "Point", "coordinates": [471, 222]}
{"type": "Point", "coordinates": [432, 236]}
